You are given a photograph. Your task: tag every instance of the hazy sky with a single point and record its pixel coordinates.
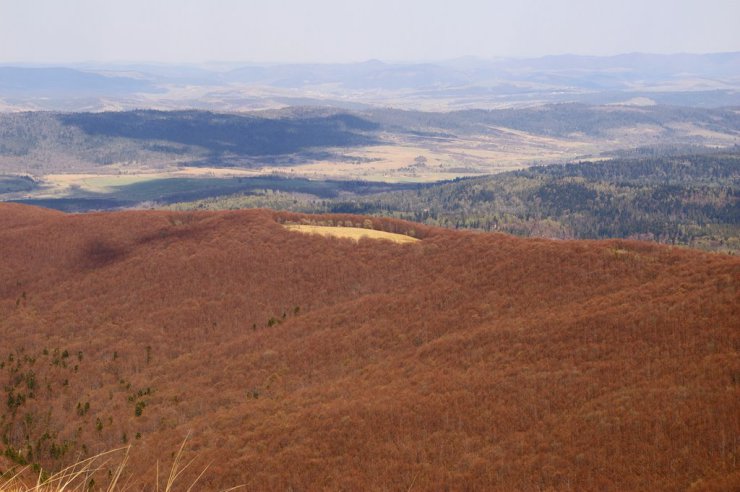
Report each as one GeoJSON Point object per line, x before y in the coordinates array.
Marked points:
{"type": "Point", "coordinates": [354, 30]}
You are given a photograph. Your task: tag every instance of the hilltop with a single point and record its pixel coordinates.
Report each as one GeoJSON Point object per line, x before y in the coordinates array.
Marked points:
{"type": "Point", "coordinates": [463, 360]}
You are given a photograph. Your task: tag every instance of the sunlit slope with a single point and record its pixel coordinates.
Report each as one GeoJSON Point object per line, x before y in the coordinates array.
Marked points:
{"type": "Point", "coordinates": [462, 360]}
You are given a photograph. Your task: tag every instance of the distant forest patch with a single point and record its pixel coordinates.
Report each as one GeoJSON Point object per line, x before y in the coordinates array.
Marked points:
{"type": "Point", "coordinates": [558, 120]}
{"type": "Point", "coordinates": [220, 134]}
{"type": "Point", "coordinates": [15, 184]}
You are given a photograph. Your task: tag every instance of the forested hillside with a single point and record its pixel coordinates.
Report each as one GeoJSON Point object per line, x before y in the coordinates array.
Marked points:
{"type": "Point", "coordinates": [40, 143]}
{"type": "Point", "coordinates": [682, 199]}
{"type": "Point", "coordinates": [464, 360]}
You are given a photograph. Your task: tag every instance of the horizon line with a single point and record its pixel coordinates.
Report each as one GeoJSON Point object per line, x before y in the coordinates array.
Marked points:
{"type": "Point", "coordinates": [355, 62]}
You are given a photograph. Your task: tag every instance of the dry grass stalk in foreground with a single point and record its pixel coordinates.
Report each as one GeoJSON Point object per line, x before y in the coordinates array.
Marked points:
{"type": "Point", "coordinates": [80, 476]}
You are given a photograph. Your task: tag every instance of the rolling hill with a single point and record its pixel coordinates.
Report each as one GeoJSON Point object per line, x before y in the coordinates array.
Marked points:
{"type": "Point", "coordinates": [461, 361]}
{"type": "Point", "coordinates": [114, 142]}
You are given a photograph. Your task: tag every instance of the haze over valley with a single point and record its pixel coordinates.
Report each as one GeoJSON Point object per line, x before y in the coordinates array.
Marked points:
{"type": "Point", "coordinates": [369, 245]}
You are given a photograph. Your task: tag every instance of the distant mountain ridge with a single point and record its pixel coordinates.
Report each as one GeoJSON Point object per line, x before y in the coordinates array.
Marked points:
{"type": "Point", "coordinates": [39, 81]}
{"type": "Point", "coordinates": [688, 79]}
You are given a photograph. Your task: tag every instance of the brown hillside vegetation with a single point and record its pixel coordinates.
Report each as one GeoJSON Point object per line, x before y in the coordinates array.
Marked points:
{"type": "Point", "coordinates": [462, 361]}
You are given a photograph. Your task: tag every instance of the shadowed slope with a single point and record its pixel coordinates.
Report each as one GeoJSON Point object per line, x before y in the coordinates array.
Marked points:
{"type": "Point", "coordinates": [473, 361]}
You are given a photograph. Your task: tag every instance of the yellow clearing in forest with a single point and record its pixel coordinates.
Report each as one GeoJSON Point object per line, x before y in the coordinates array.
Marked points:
{"type": "Point", "coordinates": [352, 233]}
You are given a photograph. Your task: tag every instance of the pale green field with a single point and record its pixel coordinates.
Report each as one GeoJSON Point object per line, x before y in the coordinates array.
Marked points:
{"type": "Point", "coordinates": [64, 184]}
